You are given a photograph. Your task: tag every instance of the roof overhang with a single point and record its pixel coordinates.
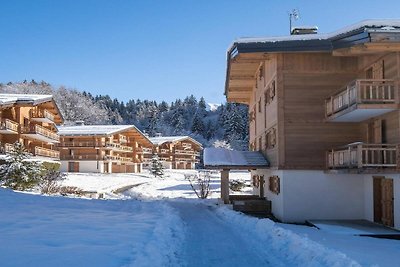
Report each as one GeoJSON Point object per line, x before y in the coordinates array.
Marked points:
{"type": "Point", "coordinates": [222, 158]}
{"type": "Point", "coordinates": [245, 55]}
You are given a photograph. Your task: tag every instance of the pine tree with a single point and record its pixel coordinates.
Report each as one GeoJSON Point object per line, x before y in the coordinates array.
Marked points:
{"type": "Point", "coordinates": [156, 167]}
{"type": "Point", "coordinates": [198, 125]}
{"type": "Point", "coordinates": [18, 172]}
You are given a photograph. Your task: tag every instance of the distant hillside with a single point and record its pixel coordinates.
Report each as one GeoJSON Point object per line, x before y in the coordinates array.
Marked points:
{"type": "Point", "coordinates": [210, 124]}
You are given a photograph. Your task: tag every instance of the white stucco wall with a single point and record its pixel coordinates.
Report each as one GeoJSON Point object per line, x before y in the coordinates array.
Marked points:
{"type": "Point", "coordinates": [84, 166]}
{"type": "Point", "coordinates": [317, 195]}
{"type": "Point", "coordinates": [368, 198]}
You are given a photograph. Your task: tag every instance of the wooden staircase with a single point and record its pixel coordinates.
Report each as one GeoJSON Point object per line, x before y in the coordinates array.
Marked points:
{"type": "Point", "coordinates": [252, 205]}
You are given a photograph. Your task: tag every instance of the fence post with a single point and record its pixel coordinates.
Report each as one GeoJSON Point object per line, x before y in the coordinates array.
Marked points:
{"type": "Point", "coordinates": [359, 156]}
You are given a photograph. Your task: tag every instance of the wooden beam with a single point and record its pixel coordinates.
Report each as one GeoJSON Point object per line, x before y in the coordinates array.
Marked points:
{"type": "Point", "coordinates": [225, 186]}
{"type": "Point", "coordinates": [365, 49]}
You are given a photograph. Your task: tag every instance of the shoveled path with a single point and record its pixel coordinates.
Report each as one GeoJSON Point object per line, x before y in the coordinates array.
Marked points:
{"type": "Point", "coordinates": [211, 241]}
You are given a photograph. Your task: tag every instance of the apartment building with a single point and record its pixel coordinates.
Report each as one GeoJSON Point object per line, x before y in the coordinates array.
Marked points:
{"type": "Point", "coordinates": [102, 148]}
{"type": "Point", "coordinates": [30, 120]}
{"type": "Point", "coordinates": [176, 152]}
{"type": "Point", "coordinates": [324, 111]}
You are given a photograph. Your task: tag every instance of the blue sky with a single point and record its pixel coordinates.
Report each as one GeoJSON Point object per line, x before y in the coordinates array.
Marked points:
{"type": "Point", "coordinates": [157, 50]}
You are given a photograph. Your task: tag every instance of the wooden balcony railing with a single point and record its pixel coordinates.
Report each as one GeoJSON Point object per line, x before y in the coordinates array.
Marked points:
{"type": "Point", "coordinates": [40, 130]}
{"type": "Point", "coordinates": [82, 157]}
{"type": "Point", "coordinates": [119, 147]}
{"type": "Point", "coordinates": [360, 155]}
{"type": "Point", "coordinates": [147, 150]}
{"type": "Point", "coordinates": [10, 125]}
{"type": "Point", "coordinates": [125, 159]}
{"type": "Point", "coordinates": [374, 91]}
{"type": "Point", "coordinates": [42, 114]}
{"type": "Point", "coordinates": [164, 151]}
{"type": "Point", "coordinates": [185, 152]}
{"type": "Point", "coordinates": [44, 152]}
{"type": "Point", "coordinates": [82, 144]}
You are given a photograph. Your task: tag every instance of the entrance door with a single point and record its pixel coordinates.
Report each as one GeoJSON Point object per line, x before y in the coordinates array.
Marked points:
{"type": "Point", "coordinates": [73, 166]}
{"type": "Point", "coordinates": [383, 201]}
{"type": "Point", "coordinates": [387, 202]}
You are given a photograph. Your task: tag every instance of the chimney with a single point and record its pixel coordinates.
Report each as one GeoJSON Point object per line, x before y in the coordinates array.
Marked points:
{"type": "Point", "coordinates": [79, 123]}
{"type": "Point", "coordinates": [301, 30]}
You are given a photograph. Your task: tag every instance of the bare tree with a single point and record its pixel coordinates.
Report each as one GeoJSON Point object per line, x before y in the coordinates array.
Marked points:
{"type": "Point", "coordinates": [200, 183]}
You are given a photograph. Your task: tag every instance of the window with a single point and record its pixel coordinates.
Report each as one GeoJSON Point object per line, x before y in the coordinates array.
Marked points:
{"type": "Point", "coordinates": [259, 105]}
{"type": "Point", "coordinates": [274, 184]}
{"type": "Point", "coordinates": [260, 143]}
{"type": "Point", "coordinates": [270, 141]}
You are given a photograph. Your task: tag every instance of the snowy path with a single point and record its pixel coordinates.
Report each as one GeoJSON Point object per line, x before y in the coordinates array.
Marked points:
{"type": "Point", "coordinates": [211, 241]}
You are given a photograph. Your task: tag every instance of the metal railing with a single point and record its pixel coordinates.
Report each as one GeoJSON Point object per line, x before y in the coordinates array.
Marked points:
{"type": "Point", "coordinates": [7, 124]}
{"type": "Point", "coordinates": [374, 91]}
{"type": "Point", "coordinates": [360, 155]}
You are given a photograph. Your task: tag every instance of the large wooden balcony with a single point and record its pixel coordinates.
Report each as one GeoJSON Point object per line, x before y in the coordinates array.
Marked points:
{"type": "Point", "coordinates": [44, 152]}
{"type": "Point", "coordinates": [42, 115]}
{"type": "Point", "coordinates": [363, 156]}
{"type": "Point", "coordinates": [40, 133]}
{"type": "Point", "coordinates": [362, 99]}
{"type": "Point", "coordinates": [147, 150]}
{"type": "Point", "coordinates": [82, 157]}
{"type": "Point", "coordinates": [8, 127]}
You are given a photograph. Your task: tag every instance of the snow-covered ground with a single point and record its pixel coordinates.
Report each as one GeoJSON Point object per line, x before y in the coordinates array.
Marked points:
{"type": "Point", "coordinates": [160, 222]}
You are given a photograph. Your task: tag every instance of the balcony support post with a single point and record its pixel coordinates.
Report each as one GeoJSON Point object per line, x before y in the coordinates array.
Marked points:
{"type": "Point", "coordinates": [359, 156]}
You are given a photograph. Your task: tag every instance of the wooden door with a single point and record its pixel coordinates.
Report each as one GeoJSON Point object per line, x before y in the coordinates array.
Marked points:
{"type": "Point", "coordinates": [261, 182]}
{"type": "Point", "coordinates": [387, 202]}
{"type": "Point", "coordinates": [377, 188]}
{"type": "Point", "coordinates": [73, 166]}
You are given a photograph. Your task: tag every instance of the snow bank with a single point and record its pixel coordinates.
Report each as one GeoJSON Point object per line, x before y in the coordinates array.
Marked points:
{"type": "Point", "coordinates": [299, 251]}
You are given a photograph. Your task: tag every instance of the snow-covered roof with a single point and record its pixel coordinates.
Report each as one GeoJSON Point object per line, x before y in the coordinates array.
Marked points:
{"type": "Point", "coordinates": [10, 99]}
{"type": "Point", "coordinates": [375, 24]}
{"type": "Point", "coordinates": [94, 129]}
{"type": "Point", "coordinates": [171, 139]}
{"type": "Point", "coordinates": [231, 159]}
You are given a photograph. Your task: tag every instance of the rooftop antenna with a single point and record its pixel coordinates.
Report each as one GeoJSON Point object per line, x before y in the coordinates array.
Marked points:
{"type": "Point", "coordinates": [293, 15]}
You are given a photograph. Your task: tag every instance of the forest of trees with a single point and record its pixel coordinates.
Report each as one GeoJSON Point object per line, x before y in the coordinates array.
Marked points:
{"type": "Point", "coordinates": [225, 126]}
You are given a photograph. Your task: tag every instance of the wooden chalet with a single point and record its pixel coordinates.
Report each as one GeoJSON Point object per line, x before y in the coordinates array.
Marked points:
{"type": "Point", "coordinates": [30, 120]}
{"type": "Point", "coordinates": [176, 152]}
{"type": "Point", "coordinates": [324, 111]}
{"type": "Point", "coordinates": [102, 148]}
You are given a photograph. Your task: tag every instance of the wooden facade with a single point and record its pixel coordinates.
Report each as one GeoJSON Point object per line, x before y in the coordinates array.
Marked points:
{"type": "Point", "coordinates": [306, 105]}
{"type": "Point", "coordinates": [102, 148]}
{"type": "Point", "coordinates": [30, 120]}
{"type": "Point", "coordinates": [176, 152]}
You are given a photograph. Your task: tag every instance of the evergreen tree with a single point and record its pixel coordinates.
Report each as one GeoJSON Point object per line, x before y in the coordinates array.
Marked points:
{"type": "Point", "coordinates": [156, 167]}
{"type": "Point", "coordinates": [19, 173]}
{"type": "Point", "coordinates": [198, 125]}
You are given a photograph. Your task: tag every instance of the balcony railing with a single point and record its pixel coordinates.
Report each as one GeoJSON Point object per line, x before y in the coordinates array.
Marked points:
{"type": "Point", "coordinates": [147, 150]}
{"type": "Point", "coordinates": [42, 114]}
{"type": "Point", "coordinates": [44, 152]}
{"type": "Point", "coordinates": [185, 152]}
{"type": "Point", "coordinates": [362, 92]}
{"type": "Point", "coordinates": [125, 159]}
{"type": "Point", "coordinates": [82, 157]}
{"type": "Point", "coordinates": [82, 144]}
{"type": "Point", "coordinates": [360, 155]}
{"type": "Point", "coordinates": [119, 147]}
{"type": "Point", "coordinates": [9, 125]}
{"type": "Point", "coordinates": [164, 151]}
{"type": "Point", "coordinates": [39, 130]}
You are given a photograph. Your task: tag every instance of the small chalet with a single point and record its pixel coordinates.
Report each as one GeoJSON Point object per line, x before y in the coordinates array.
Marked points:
{"type": "Point", "coordinates": [324, 109]}
{"type": "Point", "coordinates": [102, 148]}
{"type": "Point", "coordinates": [176, 152]}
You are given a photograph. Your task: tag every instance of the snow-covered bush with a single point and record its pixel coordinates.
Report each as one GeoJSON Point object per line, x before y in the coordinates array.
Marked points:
{"type": "Point", "coordinates": [70, 190]}
{"type": "Point", "coordinates": [18, 172]}
{"type": "Point", "coordinates": [49, 182]}
{"type": "Point", "coordinates": [200, 183]}
{"type": "Point", "coordinates": [237, 185]}
{"type": "Point", "coordinates": [156, 166]}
